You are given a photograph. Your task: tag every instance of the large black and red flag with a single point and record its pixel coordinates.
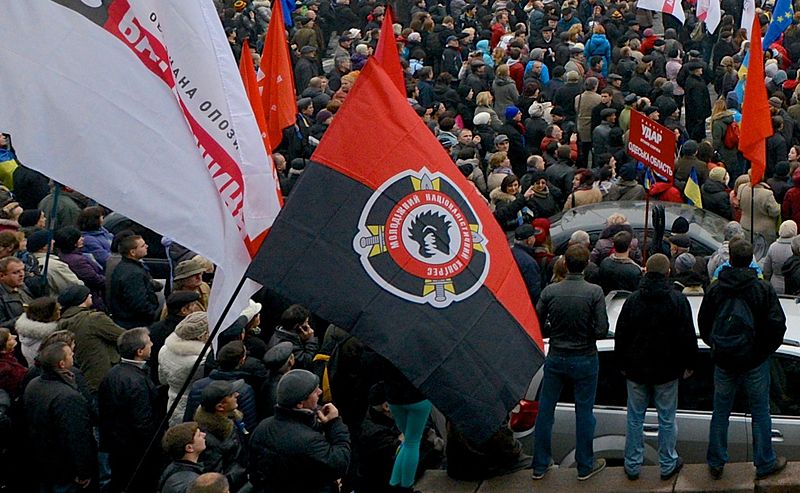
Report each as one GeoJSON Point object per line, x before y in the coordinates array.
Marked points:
{"type": "Point", "coordinates": [387, 239]}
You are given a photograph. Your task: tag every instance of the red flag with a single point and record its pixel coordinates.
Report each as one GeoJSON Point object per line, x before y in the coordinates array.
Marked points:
{"type": "Point", "coordinates": [386, 53]}
{"type": "Point", "coordinates": [756, 119]}
{"type": "Point", "coordinates": [408, 258]}
{"type": "Point", "coordinates": [276, 79]}
{"type": "Point", "coordinates": [248, 73]}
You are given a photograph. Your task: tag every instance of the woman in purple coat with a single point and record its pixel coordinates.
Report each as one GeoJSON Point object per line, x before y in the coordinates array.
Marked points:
{"type": "Point", "coordinates": [96, 239]}
{"type": "Point", "coordinates": [68, 242]}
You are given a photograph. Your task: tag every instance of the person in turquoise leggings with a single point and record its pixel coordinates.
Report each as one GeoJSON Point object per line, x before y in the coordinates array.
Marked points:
{"type": "Point", "coordinates": [410, 410]}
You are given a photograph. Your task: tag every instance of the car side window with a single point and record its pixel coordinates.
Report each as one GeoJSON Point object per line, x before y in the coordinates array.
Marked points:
{"type": "Point", "coordinates": [611, 387]}
{"type": "Point", "coordinates": [784, 392]}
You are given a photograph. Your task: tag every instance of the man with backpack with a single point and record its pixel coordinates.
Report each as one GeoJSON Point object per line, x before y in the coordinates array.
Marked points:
{"type": "Point", "coordinates": [743, 323]}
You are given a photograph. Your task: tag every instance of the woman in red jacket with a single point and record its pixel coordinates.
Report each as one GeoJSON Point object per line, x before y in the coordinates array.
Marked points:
{"type": "Point", "coordinates": [790, 208]}
{"type": "Point", "coordinates": [11, 371]}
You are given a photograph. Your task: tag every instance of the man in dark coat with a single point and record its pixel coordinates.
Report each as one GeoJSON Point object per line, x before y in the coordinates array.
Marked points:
{"type": "Point", "coordinates": [296, 328]}
{"type": "Point", "coordinates": [752, 305]}
{"type": "Point", "coordinates": [698, 102]}
{"type": "Point", "coordinates": [306, 68]}
{"type": "Point", "coordinates": [130, 411]}
{"type": "Point", "coordinates": [515, 131]}
{"type": "Point", "coordinates": [229, 358]}
{"type": "Point", "coordinates": [377, 444]}
{"type": "Point", "coordinates": [300, 448]}
{"type": "Point", "coordinates": [655, 344]}
{"type": "Point", "coordinates": [132, 298]}
{"type": "Point", "coordinates": [12, 291]}
{"type": "Point", "coordinates": [183, 443]}
{"type": "Point", "coordinates": [564, 98]}
{"type": "Point", "coordinates": [618, 270]}
{"type": "Point", "coordinates": [524, 241]}
{"type": "Point", "coordinates": [64, 452]}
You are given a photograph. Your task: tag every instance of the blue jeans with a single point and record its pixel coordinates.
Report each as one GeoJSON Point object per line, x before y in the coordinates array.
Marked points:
{"type": "Point", "coordinates": [756, 383]}
{"type": "Point", "coordinates": [411, 420]}
{"type": "Point", "coordinates": [665, 397]}
{"type": "Point", "coordinates": [581, 373]}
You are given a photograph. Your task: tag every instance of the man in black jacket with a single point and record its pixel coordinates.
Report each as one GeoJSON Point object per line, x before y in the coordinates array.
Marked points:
{"type": "Point", "coordinates": [130, 412]}
{"type": "Point", "coordinates": [64, 452]}
{"type": "Point", "coordinates": [524, 241]}
{"type": "Point", "coordinates": [655, 346]}
{"type": "Point", "coordinates": [576, 313]}
{"type": "Point", "coordinates": [183, 443]}
{"type": "Point", "coordinates": [301, 447]}
{"type": "Point", "coordinates": [761, 324]}
{"type": "Point", "coordinates": [132, 298]}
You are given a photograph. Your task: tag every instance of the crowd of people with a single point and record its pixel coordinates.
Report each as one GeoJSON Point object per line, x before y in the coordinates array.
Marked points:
{"type": "Point", "coordinates": [533, 103]}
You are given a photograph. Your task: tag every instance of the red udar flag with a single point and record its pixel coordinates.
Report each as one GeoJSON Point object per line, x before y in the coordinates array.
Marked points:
{"type": "Point", "coordinates": [756, 120]}
{"type": "Point", "coordinates": [383, 236]}
{"type": "Point", "coordinates": [276, 79]}
{"type": "Point", "coordinates": [386, 53]}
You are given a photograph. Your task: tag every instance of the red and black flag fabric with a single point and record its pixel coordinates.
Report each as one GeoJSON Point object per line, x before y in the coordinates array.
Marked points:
{"type": "Point", "coordinates": [386, 238]}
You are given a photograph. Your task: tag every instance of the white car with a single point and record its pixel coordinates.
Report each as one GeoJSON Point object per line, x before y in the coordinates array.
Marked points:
{"type": "Point", "coordinates": [695, 399]}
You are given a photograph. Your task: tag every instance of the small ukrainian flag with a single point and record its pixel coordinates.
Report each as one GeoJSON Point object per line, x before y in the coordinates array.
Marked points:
{"type": "Point", "coordinates": [692, 190]}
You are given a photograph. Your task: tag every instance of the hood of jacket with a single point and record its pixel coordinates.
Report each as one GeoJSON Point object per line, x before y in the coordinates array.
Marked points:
{"type": "Point", "coordinates": [654, 285]}
{"type": "Point", "coordinates": [34, 330]}
{"type": "Point", "coordinates": [219, 426]}
{"type": "Point", "coordinates": [483, 46]}
{"type": "Point", "coordinates": [503, 81]}
{"type": "Point", "coordinates": [732, 280]}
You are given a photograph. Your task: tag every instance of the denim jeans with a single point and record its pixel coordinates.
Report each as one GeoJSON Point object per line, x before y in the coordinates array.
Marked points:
{"type": "Point", "coordinates": [581, 373]}
{"type": "Point", "coordinates": [665, 397]}
{"type": "Point", "coordinates": [756, 383]}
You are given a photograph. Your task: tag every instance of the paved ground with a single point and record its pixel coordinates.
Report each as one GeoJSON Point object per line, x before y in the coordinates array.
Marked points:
{"type": "Point", "coordinates": [694, 478]}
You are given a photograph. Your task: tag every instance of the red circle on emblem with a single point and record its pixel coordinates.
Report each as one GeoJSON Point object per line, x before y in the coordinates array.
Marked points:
{"type": "Point", "coordinates": [408, 206]}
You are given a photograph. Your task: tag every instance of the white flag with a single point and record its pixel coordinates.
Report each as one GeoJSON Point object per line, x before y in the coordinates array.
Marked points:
{"type": "Point", "coordinates": [672, 7]}
{"type": "Point", "coordinates": [139, 105]}
{"type": "Point", "coordinates": [748, 14]}
{"type": "Point", "coordinates": [709, 12]}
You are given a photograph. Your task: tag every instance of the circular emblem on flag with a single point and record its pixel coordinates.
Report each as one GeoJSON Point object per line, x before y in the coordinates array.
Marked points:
{"type": "Point", "coordinates": [419, 238]}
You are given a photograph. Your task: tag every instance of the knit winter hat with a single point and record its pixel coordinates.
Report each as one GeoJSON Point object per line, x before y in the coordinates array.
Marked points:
{"type": "Point", "coordinates": [193, 327]}
{"type": "Point", "coordinates": [295, 387]}
{"type": "Point", "coordinates": [73, 296]}
{"type": "Point", "coordinates": [684, 263]}
{"type": "Point", "coordinates": [717, 174]}
{"type": "Point", "coordinates": [39, 240]}
{"type": "Point", "coordinates": [780, 77]}
{"type": "Point", "coordinates": [680, 226]}
{"type": "Point", "coordinates": [627, 171]}
{"type": "Point", "coordinates": [482, 118]}
{"type": "Point", "coordinates": [536, 110]}
{"type": "Point", "coordinates": [788, 229]}
{"type": "Point", "coordinates": [511, 112]}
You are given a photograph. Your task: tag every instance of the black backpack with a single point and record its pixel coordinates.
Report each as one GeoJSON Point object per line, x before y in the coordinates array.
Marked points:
{"type": "Point", "coordinates": [733, 333]}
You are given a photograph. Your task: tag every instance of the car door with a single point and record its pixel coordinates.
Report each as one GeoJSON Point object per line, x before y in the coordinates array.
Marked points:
{"type": "Point", "coordinates": [784, 402]}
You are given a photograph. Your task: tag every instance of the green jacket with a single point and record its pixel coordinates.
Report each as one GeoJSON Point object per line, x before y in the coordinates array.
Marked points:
{"type": "Point", "coordinates": [95, 341]}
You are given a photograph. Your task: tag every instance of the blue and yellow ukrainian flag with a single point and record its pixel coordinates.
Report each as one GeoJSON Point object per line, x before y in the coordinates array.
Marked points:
{"type": "Point", "coordinates": [692, 190]}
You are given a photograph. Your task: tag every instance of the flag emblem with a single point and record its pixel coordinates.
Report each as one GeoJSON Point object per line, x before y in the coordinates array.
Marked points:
{"type": "Point", "coordinates": [420, 240]}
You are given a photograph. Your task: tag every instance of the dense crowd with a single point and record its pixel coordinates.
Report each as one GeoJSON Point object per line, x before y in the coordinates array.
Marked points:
{"type": "Point", "coordinates": [533, 103]}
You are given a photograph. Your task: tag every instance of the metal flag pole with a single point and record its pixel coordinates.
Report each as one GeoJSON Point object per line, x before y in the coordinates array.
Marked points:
{"type": "Point", "coordinates": [186, 383]}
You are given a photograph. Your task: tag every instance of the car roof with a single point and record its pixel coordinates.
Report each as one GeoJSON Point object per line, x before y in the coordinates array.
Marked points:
{"type": "Point", "coordinates": [704, 226]}
{"type": "Point", "coordinates": [791, 308]}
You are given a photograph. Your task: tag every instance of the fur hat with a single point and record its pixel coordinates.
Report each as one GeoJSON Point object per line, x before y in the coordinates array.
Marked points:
{"type": "Point", "coordinates": [482, 118]}
{"type": "Point", "coordinates": [193, 327]}
{"type": "Point", "coordinates": [295, 387]}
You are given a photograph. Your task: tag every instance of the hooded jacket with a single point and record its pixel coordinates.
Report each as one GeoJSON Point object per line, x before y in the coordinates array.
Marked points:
{"type": "Point", "coordinates": [31, 334]}
{"type": "Point", "coordinates": [655, 336]}
{"type": "Point", "coordinates": [768, 317]}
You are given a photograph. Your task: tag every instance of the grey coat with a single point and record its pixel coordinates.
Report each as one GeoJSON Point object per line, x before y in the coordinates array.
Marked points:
{"type": "Point", "coordinates": [778, 253]}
